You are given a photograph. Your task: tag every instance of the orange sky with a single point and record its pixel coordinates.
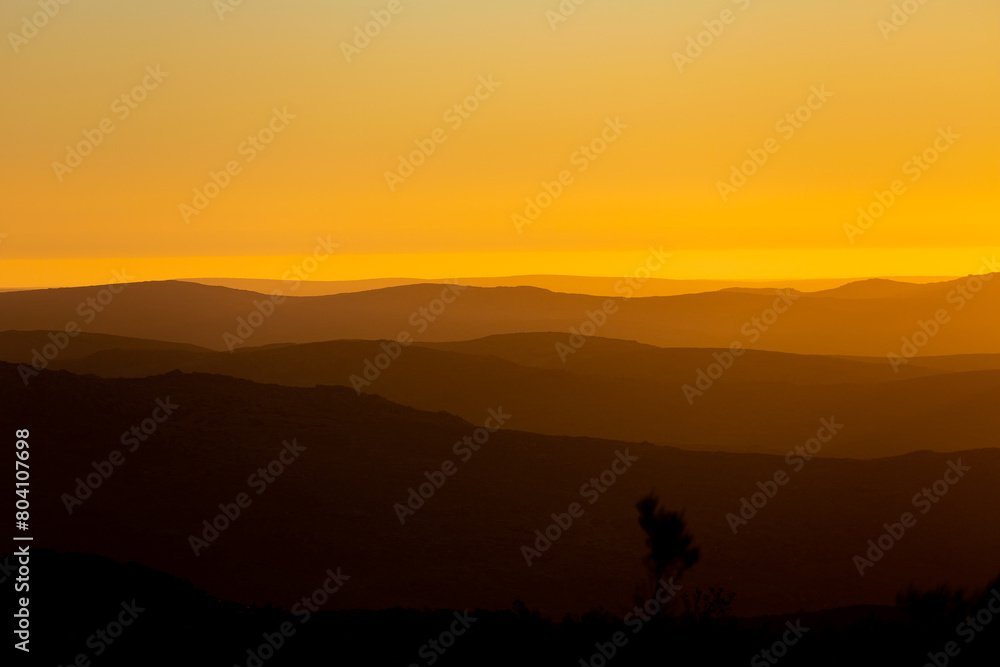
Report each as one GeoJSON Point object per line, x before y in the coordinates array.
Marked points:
{"type": "Point", "coordinates": [609, 71]}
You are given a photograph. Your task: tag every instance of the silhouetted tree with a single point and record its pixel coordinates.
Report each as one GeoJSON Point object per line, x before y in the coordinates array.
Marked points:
{"type": "Point", "coordinates": [669, 543]}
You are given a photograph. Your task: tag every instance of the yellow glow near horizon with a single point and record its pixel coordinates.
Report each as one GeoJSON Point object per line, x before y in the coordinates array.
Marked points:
{"type": "Point", "coordinates": [657, 183]}
{"type": "Point", "coordinates": [733, 265]}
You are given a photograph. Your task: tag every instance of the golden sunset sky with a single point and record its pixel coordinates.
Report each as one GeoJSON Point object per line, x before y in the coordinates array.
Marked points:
{"type": "Point", "coordinates": [610, 68]}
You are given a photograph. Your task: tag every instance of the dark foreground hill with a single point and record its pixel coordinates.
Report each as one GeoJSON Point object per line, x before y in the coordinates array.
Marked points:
{"type": "Point", "coordinates": [170, 623]}
{"type": "Point", "coordinates": [337, 503]}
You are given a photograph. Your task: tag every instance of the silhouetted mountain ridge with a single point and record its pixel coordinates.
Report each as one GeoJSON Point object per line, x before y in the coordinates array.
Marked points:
{"type": "Point", "coordinates": [335, 504]}
{"type": "Point", "coordinates": [216, 317]}
{"type": "Point", "coordinates": [620, 390]}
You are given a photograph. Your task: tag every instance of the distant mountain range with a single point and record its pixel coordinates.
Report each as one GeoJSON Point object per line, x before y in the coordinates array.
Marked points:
{"type": "Point", "coordinates": [871, 318]}
{"type": "Point", "coordinates": [568, 284]}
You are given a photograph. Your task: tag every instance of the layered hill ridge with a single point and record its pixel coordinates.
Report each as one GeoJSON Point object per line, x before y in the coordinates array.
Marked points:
{"type": "Point", "coordinates": [765, 402]}
{"type": "Point", "coordinates": [335, 505]}
{"type": "Point", "coordinates": [596, 286]}
{"type": "Point", "coordinates": [771, 402]}
{"type": "Point", "coordinates": [955, 317]}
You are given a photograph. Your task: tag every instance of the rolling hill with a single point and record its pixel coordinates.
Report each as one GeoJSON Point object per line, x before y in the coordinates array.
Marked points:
{"type": "Point", "coordinates": [595, 286]}
{"type": "Point", "coordinates": [767, 402]}
{"type": "Point", "coordinates": [958, 316]}
{"type": "Point", "coordinates": [335, 504]}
